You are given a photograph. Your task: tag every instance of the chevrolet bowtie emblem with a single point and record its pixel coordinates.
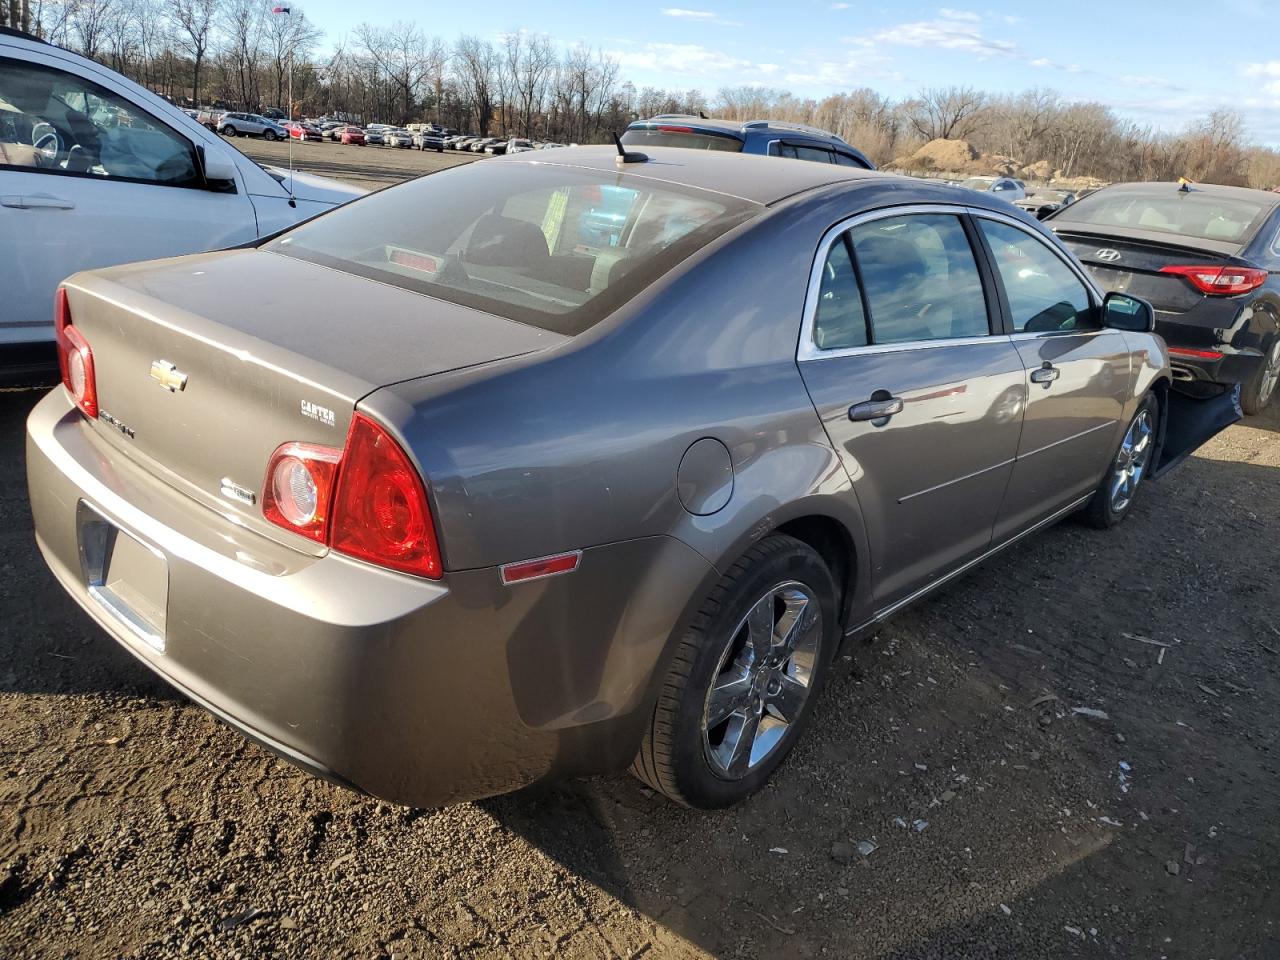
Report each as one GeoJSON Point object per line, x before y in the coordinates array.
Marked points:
{"type": "Point", "coordinates": [168, 376]}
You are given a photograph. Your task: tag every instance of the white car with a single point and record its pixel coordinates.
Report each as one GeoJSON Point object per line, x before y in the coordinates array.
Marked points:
{"type": "Point", "coordinates": [1006, 188]}
{"type": "Point", "coordinates": [397, 137]}
{"type": "Point", "coordinates": [97, 171]}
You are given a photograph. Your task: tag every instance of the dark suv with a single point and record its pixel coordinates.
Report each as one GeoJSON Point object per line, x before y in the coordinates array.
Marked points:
{"type": "Point", "coordinates": [771, 137]}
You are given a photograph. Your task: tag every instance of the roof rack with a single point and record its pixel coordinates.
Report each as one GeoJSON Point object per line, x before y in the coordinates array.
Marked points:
{"type": "Point", "coordinates": [676, 116]}
{"type": "Point", "coordinates": [20, 34]}
{"type": "Point", "coordinates": [784, 125]}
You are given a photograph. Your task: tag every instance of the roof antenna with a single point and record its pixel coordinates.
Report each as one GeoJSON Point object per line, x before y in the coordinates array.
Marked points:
{"type": "Point", "coordinates": [702, 116]}
{"type": "Point", "coordinates": [625, 155]}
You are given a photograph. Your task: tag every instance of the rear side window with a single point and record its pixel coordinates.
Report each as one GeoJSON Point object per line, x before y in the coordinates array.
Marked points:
{"type": "Point", "coordinates": [1044, 293]}
{"type": "Point", "coordinates": [920, 278]}
{"type": "Point", "coordinates": [59, 123]}
{"type": "Point", "coordinates": [678, 136]}
{"type": "Point", "coordinates": [845, 160]}
{"type": "Point", "coordinates": [1191, 214]}
{"type": "Point", "coordinates": [556, 247]}
{"type": "Point", "coordinates": [797, 151]}
{"type": "Point", "coordinates": [840, 320]}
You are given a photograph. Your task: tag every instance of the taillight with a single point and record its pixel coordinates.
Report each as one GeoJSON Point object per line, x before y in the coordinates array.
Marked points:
{"type": "Point", "coordinates": [299, 488]}
{"type": "Point", "coordinates": [367, 500]}
{"type": "Point", "coordinates": [380, 511]}
{"type": "Point", "coordinates": [1219, 280]}
{"type": "Point", "coordinates": [75, 359]}
{"type": "Point", "coordinates": [1195, 354]}
{"type": "Point", "coordinates": [666, 128]}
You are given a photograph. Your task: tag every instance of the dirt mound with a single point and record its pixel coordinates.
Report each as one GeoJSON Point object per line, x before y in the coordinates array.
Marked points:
{"type": "Point", "coordinates": [942, 155]}
{"type": "Point", "coordinates": [1041, 171]}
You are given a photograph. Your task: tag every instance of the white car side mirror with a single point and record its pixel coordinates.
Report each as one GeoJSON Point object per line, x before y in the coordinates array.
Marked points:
{"type": "Point", "coordinates": [218, 169]}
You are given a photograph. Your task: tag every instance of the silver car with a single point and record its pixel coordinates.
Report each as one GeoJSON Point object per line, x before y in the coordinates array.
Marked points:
{"type": "Point", "coordinates": [397, 138]}
{"type": "Point", "coordinates": [250, 125]}
{"type": "Point", "coordinates": [627, 448]}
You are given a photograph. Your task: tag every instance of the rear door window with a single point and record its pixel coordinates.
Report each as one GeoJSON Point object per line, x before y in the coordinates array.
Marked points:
{"type": "Point", "coordinates": [1044, 294]}
{"type": "Point", "coordinates": [920, 278]}
{"type": "Point", "coordinates": [840, 320]}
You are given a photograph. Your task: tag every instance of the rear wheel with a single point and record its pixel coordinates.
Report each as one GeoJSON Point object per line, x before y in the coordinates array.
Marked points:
{"type": "Point", "coordinates": [1128, 468]}
{"type": "Point", "coordinates": [1261, 387]}
{"type": "Point", "coordinates": [228, 131]}
{"type": "Point", "coordinates": [744, 677]}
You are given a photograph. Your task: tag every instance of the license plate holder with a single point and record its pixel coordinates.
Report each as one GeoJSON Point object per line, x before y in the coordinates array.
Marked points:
{"type": "Point", "coordinates": [128, 578]}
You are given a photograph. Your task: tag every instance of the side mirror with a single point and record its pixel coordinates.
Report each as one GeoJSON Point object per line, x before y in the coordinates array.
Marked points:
{"type": "Point", "coordinates": [218, 169]}
{"type": "Point", "coordinates": [1123, 312]}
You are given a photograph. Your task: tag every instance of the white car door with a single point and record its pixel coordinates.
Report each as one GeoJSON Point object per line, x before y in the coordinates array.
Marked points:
{"type": "Point", "coordinates": [89, 178]}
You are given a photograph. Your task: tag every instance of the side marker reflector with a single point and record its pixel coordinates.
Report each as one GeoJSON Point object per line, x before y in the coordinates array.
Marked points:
{"type": "Point", "coordinates": [542, 567]}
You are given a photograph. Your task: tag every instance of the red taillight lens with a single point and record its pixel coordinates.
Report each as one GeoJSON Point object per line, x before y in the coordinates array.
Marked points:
{"type": "Point", "coordinates": [367, 500]}
{"type": "Point", "coordinates": [299, 488]}
{"type": "Point", "coordinates": [1220, 281]}
{"type": "Point", "coordinates": [1196, 354]}
{"type": "Point", "coordinates": [667, 128]}
{"type": "Point", "coordinates": [380, 511]}
{"type": "Point", "coordinates": [75, 359]}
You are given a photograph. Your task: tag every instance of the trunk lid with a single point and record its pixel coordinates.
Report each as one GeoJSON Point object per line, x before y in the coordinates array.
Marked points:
{"type": "Point", "coordinates": [1132, 266]}
{"type": "Point", "coordinates": [205, 365]}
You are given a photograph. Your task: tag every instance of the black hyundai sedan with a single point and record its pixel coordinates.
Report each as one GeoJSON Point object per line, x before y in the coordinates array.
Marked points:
{"type": "Point", "coordinates": [1208, 258]}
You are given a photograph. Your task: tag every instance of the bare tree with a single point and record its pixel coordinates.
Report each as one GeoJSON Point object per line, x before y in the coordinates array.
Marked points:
{"type": "Point", "coordinates": [289, 38]}
{"type": "Point", "coordinates": [950, 113]}
{"type": "Point", "coordinates": [193, 22]}
{"type": "Point", "coordinates": [474, 62]}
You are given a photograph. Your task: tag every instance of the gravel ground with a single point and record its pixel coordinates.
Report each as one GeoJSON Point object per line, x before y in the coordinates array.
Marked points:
{"type": "Point", "coordinates": [949, 801]}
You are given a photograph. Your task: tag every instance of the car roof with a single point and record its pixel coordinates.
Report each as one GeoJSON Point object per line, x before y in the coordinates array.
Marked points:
{"type": "Point", "coordinates": [752, 177]}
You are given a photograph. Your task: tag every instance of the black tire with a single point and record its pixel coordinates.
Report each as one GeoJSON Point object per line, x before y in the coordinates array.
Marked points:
{"type": "Point", "coordinates": [1102, 510]}
{"type": "Point", "coordinates": [229, 131]}
{"type": "Point", "coordinates": [675, 756]}
{"type": "Point", "coordinates": [269, 135]}
{"type": "Point", "coordinates": [1258, 390]}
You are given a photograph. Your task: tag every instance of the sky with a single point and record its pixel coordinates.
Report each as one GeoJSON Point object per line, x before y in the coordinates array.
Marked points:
{"type": "Point", "coordinates": [1158, 63]}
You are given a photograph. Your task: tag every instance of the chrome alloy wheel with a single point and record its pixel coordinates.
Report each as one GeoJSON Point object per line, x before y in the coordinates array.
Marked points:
{"type": "Point", "coordinates": [763, 679]}
{"type": "Point", "coordinates": [1270, 376]}
{"type": "Point", "coordinates": [1131, 461]}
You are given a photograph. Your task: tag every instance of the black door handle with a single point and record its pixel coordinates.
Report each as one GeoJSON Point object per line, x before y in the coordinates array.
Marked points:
{"type": "Point", "coordinates": [881, 406]}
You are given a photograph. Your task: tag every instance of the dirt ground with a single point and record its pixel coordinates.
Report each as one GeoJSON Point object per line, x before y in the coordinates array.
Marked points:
{"type": "Point", "coordinates": [1004, 823]}
{"type": "Point", "coordinates": [134, 825]}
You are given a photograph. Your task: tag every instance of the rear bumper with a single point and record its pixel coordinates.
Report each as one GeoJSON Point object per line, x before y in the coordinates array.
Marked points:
{"type": "Point", "coordinates": [1240, 343]}
{"type": "Point", "coordinates": [420, 692]}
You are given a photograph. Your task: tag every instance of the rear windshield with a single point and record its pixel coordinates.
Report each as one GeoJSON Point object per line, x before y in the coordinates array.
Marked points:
{"type": "Point", "coordinates": [686, 137]}
{"type": "Point", "coordinates": [1191, 214]}
{"type": "Point", "coordinates": [556, 247]}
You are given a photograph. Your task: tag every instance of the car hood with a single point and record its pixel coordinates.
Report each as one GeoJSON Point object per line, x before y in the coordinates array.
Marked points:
{"type": "Point", "coordinates": [308, 186]}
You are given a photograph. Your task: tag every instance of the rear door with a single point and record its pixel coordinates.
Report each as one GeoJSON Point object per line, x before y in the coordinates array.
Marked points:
{"type": "Point", "coordinates": [1078, 374]}
{"type": "Point", "coordinates": [104, 183]}
{"type": "Point", "coordinates": [922, 401]}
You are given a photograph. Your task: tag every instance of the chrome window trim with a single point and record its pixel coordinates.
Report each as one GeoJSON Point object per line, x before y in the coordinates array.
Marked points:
{"type": "Point", "coordinates": [808, 349]}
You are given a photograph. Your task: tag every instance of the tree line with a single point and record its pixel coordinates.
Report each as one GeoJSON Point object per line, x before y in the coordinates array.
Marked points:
{"type": "Point", "coordinates": [236, 54]}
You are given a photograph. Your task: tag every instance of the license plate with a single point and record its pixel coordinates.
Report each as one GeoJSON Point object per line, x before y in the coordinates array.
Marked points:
{"type": "Point", "coordinates": [126, 576]}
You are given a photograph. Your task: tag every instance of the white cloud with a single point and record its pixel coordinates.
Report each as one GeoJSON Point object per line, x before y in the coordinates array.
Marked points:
{"type": "Point", "coordinates": [841, 6]}
{"type": "Point", "coordinates": [1270, 72]}
{"type": "Point", "coordinates": [950, 30]}
{"type": "Point", "coordinates": [682, 59]}
{"type": "Point", "coordinates": [1042, 62]}
{"type": "Point", "coordinates": [699, 16]}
